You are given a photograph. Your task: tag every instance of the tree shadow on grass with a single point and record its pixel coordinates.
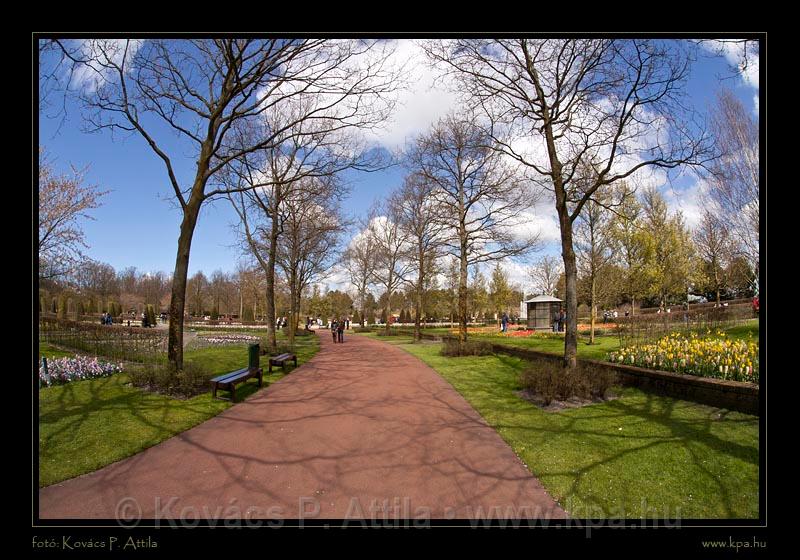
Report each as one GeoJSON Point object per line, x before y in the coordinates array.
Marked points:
{"type": "Point", "coordinates": [155, 417]}
{"type": "Point", "coordinates": [649, 421]}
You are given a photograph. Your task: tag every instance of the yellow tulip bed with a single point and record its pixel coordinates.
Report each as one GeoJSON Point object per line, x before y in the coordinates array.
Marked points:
{"type": "Point", "coordinates": [716, 356]}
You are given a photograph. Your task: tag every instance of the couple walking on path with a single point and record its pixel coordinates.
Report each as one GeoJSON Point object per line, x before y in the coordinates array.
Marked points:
{"type": "Point", "coordinates": [337, 330]}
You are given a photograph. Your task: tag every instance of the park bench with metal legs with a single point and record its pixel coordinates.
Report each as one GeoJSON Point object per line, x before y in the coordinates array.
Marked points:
{"type": "Point", "coordinates": [228, 381]}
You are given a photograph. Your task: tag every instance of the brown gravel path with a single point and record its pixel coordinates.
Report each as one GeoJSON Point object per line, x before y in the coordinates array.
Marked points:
{"type": "Point", "coordinates": [364, 430]}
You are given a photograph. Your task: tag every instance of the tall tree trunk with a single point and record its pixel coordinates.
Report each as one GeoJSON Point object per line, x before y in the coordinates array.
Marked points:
{"type": "Point", "coordinates": [462, 294]}
{"type": "Point", "coordinates": [292, 324]}
{"type": "Point", "coordinates": [593, 311]}
{"type": "Point", "coordinates": [388, 309]}
{"type": "Point", "coordinates": [177, 303]}
{"type": "Point", "coordinates": [270, 273]}
{"type": "Point", "coordinates": [463, 269]}
{"type": "Point", "coordinates": [571, 273]}
{"type": "Point", "coordinates": [418, 302]}
{"type": "Point", "coordinates": [363, 295]}
{"type": "Point", "coordinates": [570, 263]}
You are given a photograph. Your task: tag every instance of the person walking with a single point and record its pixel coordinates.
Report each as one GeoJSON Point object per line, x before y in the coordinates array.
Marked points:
{"type": "Point", "coordinates": [562, 317]}
{"type": "Point", "coordinates": [504, 322]}
{"type": "Point", "coordinates": [340, 330]}
{"type": "Point", "coordinates": [334, 329]}
{"type": "Point", "coordinates": [556, 317]}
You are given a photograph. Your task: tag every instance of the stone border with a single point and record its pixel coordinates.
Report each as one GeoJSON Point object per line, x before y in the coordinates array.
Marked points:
{"type": "Point", "coordinates": [732, 395]}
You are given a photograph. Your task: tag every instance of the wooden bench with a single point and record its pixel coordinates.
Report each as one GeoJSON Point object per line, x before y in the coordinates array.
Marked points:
{"type": "Point", "coordinates": [229, 381]}
{"type": "Point", "coordinates": [281, 361]}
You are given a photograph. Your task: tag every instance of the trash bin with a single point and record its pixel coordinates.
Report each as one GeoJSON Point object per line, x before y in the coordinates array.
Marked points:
{"type": "Point", "coordinates": [253, 352]}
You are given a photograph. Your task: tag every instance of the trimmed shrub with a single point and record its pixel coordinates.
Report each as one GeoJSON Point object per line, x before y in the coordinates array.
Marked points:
{"type": "Point", "coordinates": [362, 330]}
{"type": "Point", "coordinates": [62, 307]}
{"type": "Point", "coordinates": [214, 313]}
{"type": "Point", "coordinates": [453, 348]}
{"type": "Point", "coordinates": [549, 380]}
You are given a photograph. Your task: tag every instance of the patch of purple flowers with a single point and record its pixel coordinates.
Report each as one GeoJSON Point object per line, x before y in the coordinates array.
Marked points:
{"type": "Point", "coordinates": [79, 368]}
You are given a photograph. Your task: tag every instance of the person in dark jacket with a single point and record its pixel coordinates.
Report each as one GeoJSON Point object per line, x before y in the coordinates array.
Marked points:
{"type": "Point", "coordinates": [335, 329]}
{"type": "Point", "coordinates": [340, 330]}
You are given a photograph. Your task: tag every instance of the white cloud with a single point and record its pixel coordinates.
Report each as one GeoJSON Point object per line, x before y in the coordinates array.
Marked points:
{"type": "Point", "coordinates": [739, 55]}
{"type": "Point", "coordinates": [101, 53]}
{"type": "Point", "coordinates": [542, 221]}
{"type": "Point", "coordinates": [690, 200]}
{"type": "Point", "coordinates": [421, 104]}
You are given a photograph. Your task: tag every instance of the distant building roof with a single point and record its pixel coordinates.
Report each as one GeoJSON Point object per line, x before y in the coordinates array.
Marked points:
{"type": "Point", "coordinates": [542, 299]}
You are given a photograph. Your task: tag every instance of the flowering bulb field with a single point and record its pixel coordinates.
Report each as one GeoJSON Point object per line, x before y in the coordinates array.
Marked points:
{"type": "Point", "coordinates": [708, 356]}
{"type": "Point", "coordinates": [64, 370]}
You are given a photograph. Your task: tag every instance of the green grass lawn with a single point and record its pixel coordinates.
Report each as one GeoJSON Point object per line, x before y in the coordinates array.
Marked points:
{"type": "Point", "coordinates": [51, 352]}
{"type": "Point", "coordinates": [637, 456]}
{"type": "Point", "coordinates": [86, 425]}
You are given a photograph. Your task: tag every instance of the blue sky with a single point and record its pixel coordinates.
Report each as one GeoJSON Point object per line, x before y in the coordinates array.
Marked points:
{"type": "Point", "coordinates": [138, 222]}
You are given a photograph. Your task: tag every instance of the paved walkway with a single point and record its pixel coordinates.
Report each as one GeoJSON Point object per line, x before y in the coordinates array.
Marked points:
{"type": "Point", "coordinates": [364, 430]}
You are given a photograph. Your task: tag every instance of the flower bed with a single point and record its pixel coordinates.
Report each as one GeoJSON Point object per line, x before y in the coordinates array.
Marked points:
{"type": "Point", "coordinates": [214, 339]}
{"type": "Point", "coordinates": [718, 357]}
{"type": "Point", "coordinates": [65, 370]}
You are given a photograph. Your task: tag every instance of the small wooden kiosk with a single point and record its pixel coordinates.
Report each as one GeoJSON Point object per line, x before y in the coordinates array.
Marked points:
{"type": "Point", "coordinates": [541, 310]}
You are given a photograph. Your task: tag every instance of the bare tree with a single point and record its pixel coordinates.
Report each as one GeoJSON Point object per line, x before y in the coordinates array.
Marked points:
{"type": "Point", "coordinates": [208, 91]}
{"type": "Point", "coordinates": [734, 177]}
{"type": "Point", "coordinates": [479, 195]}
{"type": "Point", "coordinates": [312, 227]}
{"type": "Point", "coordinates": [98, 279]}
{"type": "Point", "coordinates": [617, 105]}
{"type": "Point", "coordinates": [304, 164]}
{"type": "Point", "coordinates": [392, 244]}
{"type": "Point", "coordinates": [197, 288]}
{"type": "Point", "coordinates": [63, 201]}
{"type": "Point", "coordinates": [416, 208]}
{"type": "Point", "coordinates": [360, 261]}
{"type": "Point", "coordinates": [544, 274]}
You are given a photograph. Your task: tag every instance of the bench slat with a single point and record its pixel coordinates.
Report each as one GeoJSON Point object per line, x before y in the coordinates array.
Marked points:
{"type": "Point", "coordinates": [228, 376]}
{"type": "Point", "coordinates": [235, 378]}
{"type": "Point", "coordinates": [282, 358]}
